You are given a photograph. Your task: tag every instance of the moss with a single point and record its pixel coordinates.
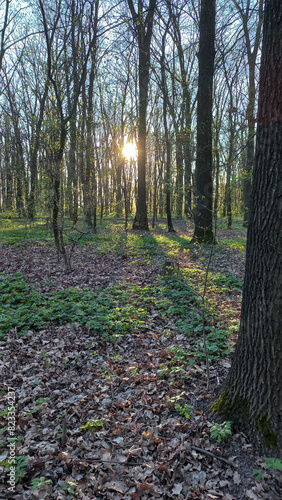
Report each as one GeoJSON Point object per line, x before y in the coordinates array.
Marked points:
{"type": "Point", "coordinates": [238, 410]}
{"type": "Point", "coordinates": [269, 437]}
{"type": "Point", "coordinates": [228, 409]}
{"type": "Point", "coordinates": [222, 406]}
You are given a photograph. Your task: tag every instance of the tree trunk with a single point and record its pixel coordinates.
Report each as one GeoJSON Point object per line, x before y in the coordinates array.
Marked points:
{"type": "Point", "coordinates": [167, 141]}
{"type": "Point", "coordinates": [179, 176]}
{"type": "Point", "coordinates": [144, 27]}
{"type": "Point", "coordinates": [204, 184]}
{"type": "Point", "coordinates": [141, 219]}
{"type": "Point", "coordinates": [252, 47]}
{"type": "Point", "coordinates": [229, 166]}
{"type": "Point", "coordinates": [247, 180]}
{"type": "Point", "coordinates": [254, 385]}
{"type": "Point", "coordinates": [34, 153]}
{"type": "Point", "coordinates": [72, 171]}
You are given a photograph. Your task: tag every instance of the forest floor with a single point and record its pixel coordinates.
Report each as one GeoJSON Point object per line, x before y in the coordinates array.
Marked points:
{"type": "Point", "coordinates": [109, 371]}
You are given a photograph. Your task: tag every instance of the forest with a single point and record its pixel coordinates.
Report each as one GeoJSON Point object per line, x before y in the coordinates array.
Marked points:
{"type": "Point", "coordinates": [140, 249]}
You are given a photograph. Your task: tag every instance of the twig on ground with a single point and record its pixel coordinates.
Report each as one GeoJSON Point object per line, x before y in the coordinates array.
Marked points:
{"type": "Point", "coordinates": [213, 455]}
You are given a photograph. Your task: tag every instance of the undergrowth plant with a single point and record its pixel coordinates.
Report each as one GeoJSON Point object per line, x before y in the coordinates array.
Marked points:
{"type": "Point", "coordinates": [272, 464]}
{"type": "Point", "coordinates": [40, 482]}
{"type": "Point", "coordinates": [94, 425]}
{"type": "Point", "coordinates": [221, 431]}
{"type": "Point", "coordinates": [19, 467]}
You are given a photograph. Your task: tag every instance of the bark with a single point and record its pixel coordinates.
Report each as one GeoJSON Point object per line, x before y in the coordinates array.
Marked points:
{"type": "Point", "coordinates": [179, 176]}
{"type": "Point", "coordinates": [141, 220]}
{"type": "Point", "coordinates": [203, 215]}
{"type": "Point", "coordinates": [72, 187]}
{"type": "Point", "coordinates": [167, 142]}
{"type": "Point", "coordinates": [8, 166]}
{"type": "Point", "coordinates": [144, 28]}
{"type": "Point", "coordinates": [90, 184]}
{"type": "Point", "coordinates": [229, 166]}
{"type": "Point", "coordinates": [254, 385]}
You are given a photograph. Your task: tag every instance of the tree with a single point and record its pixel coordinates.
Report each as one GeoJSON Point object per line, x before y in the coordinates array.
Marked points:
{"type": "Point", "coordinates": [204, 186]}
{"type": "Point", "coordinates": [183, 137]}
{"type": "Point", "coordinates": [3, 29]}
{"type": "Point", "coordinates": [166, 137]}
{"type": "Point", "coordinates": [143, 23]}
{"type": "Point", "coordinates": [246, 14]}
{"type": "Point", "coordinates": [253, 392]}
{"type": "Point", "coordinates": [61, 21]}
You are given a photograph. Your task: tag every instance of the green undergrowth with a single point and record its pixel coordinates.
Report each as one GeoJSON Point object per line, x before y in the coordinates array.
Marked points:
{"type": "Point", "coordinates": [107, 312]}
{"type": "Point", "coordinates": [111, 312]}
{"type": "Point", "coordinates": [115, 311]}
{"type": "Point", "coordinates": [110, 235]}
{"type": "Point", "coordinates": [20, 232]}
{"type": "Point", "coordinates": [235, 244]}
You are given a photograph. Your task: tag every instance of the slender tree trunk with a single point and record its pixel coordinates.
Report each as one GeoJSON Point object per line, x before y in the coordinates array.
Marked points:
{"type": "Point", "coordinates": [228, 168]}
{"type": "Point", "coordinates": [57, 188]}
{"type": "Point", "coordinates": [118, 189]}
{"type": "Point", "coordinates": [141, 219]}
{"type": "Point", "coordinates": [179, 176]}
{"type": "Point", "coordinates": [247, 180]}
{"type": "Point", "coordinates": [90, 185]}
{"type": "Point", "coordinates": [203, 214]}
{"type": "Point", "coordinates": [8, 169]}
{"type": "Point", "coordinates": [167, 142]}
{"type": "Point", "coordinates": [252, 47]}
{"type": "Point", "coordinates": [72, 171]}
{"type": "Point", "coordinates": [254, 386]}
{"type": "Point", "coordinates": [143, 22]}
{"type": "Point", "coordinates": [217, 168]}
{"type": "Point", "coordinates": [155, 194]}
{"type": "Point", "coordinates": [34, 154]}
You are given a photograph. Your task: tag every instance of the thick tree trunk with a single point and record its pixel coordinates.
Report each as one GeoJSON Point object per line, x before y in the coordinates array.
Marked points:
{"type": "Point", "coordinates": [254, 385]}
{"type": "Point", "coordinates": [203, 214]}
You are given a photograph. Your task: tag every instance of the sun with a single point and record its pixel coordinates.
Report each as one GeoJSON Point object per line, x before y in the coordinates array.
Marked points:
{"type": "Point", "coordinates": [130, 151]}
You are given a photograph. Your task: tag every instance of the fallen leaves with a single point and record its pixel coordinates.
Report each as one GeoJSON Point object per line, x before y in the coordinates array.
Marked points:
{"type": "Point", "coordinates": [66, 379]}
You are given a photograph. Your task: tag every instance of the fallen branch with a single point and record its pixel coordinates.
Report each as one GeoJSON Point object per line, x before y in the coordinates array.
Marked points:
{"type": "Point", "coordinates": [213, 455]}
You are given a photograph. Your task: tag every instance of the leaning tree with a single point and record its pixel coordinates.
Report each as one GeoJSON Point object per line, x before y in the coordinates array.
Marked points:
{"type": "Point", "coordinates": [253, 391]}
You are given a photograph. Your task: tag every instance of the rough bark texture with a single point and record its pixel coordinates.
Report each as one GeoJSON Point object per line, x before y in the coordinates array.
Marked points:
{"type": "Point", "coordinates": [204, 186]}
{"type": "Point", "coordinates": [254, 384]}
